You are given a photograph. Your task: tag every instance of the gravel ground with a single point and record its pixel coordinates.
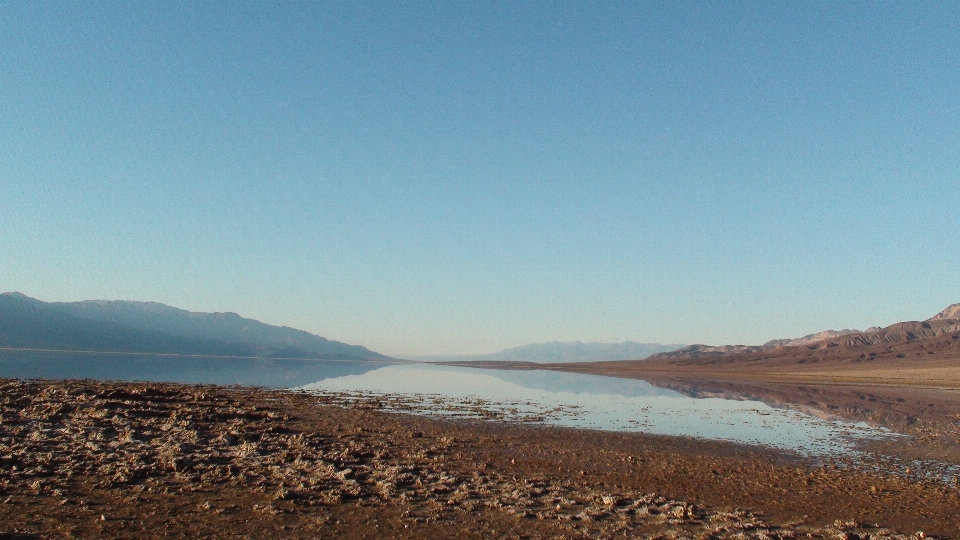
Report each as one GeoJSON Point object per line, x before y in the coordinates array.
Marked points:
{"type": "Point", "coordinates": [127, 460]}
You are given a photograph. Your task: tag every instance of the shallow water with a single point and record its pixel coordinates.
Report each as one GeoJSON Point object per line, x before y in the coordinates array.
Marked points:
{"type": "Point", "coordinates": [265, 372]}
{"type": "Point", "coordinates": [594, 402]}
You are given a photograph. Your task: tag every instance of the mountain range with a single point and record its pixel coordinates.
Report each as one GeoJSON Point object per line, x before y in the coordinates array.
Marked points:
{"type": "Point", "coordinates": [914, 354]}
{"type": "Point", "coordinates": [947, 322]}
{"type": "Point", "coordinates": [150, 327]}
{"type": "Point", "coordinates": [554, 352]}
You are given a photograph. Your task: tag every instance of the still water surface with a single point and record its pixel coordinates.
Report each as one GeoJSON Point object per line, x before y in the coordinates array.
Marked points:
{"type": "Point", "coordinates": [546, 397]}
{"type": "Point", "coordinates": [595, 402]}
{"type": "Point", "coordinates": [266, 372]}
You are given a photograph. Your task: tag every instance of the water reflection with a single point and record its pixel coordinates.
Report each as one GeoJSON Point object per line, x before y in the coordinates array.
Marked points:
{"type": "Point", "coordinates": [896, 407]}
{"type": "Point", "coordinates": [264, 372]}
{"type": "Point", "coordinates": [590, 401]}
{"type": "Point", "coordinates": [926, 416]}
{"type": "Point", "coordinates": [555, 398]}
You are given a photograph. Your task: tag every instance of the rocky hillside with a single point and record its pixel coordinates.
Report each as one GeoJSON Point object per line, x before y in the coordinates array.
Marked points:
{"type": "Point", "coordinates": [944, 323]}
{"type": "Point", "coordinates": [814, 338]}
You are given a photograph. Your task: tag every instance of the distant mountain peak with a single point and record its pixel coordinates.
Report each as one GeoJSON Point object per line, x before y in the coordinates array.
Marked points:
{"type": "Point", "coordinates": [951, 312]}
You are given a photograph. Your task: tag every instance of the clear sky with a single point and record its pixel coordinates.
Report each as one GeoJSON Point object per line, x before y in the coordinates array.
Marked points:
{"type": "Point", "coordinates": [462, 177]}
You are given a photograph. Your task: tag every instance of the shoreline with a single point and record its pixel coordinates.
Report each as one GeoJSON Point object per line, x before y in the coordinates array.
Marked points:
{"type": "Point", "coordinates": [922, 379]}
{"type": "Point", "coordinates": [173, 460]}
{"type": "Point", "coordinates": [945, 378]}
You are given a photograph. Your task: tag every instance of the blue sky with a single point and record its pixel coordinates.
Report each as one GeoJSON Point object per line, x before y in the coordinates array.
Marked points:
{"type": "Point", "coordinates": [462, 177]}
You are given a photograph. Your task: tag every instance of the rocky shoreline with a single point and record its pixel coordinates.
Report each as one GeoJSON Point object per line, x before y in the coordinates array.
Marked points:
{"type": "Point", "coordinates": [83, 459]}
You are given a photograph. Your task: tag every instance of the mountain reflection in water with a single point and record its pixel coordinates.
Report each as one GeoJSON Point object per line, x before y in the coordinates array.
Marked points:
{"type": "Point", "coordinates": [263, 372]}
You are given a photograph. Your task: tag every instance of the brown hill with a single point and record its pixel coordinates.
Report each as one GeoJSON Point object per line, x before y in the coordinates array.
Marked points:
{"type": "Point", "coordinates": [700, 351]}
{"type": "Point", "coordinates": [908, 353]}
{"type": "Point", "coordinates": [945, 322]}
{"type": "Point", "coordinates": [901, 332]}
{"type": "Point", "coordinates": [813, 338]}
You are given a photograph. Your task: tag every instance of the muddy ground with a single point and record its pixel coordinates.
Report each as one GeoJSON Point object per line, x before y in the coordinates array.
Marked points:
{"type": "Point", "coordinates": [126, 460]}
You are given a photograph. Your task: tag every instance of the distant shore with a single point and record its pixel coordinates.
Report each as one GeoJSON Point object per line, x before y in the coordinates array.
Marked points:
{"type": "Point", "coordinates": [936, 376]}
{"type": "Point", "coordinates": [941, 373]}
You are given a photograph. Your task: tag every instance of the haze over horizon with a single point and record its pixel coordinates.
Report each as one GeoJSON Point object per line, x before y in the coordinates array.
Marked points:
{"type": "Point", "coordinates": [462, 178]}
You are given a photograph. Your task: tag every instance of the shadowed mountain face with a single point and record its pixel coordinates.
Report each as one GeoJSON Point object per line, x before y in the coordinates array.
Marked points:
{"type": "Point", "coordinates": [29, 323]}
{"type": "Point", "coordinates": [113, 326]}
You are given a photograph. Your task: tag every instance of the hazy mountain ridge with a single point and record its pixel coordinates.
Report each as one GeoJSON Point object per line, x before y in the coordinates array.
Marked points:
{"type": "Point", "coordinates": [113, 326]}
{"type": "Point", "coordinates": [29, 323]}
{"type": "Point", "coordinates": [553, 352]}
